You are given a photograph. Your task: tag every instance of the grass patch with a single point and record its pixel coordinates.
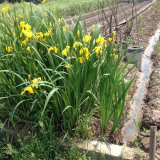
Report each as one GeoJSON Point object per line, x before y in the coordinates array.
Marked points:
{"type": "Point", "coordinates": [41, 145]}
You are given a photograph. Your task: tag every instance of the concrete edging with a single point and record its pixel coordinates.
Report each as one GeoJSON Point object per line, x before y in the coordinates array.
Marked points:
{"type": "Point", "coordinates": [102, 151]}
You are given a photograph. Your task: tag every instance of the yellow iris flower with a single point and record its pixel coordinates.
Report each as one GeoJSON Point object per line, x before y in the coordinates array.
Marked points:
{"type": "Point", "coordinates": [20, 15]}
{"type": "Point", "coordinates": [81, 60]}
{"type": "Point", "coordinates": [116, 57]}
{"type": "Point", "coordinates": [114, 32]}
{"type": "Point", "coordinates": [4, 10]}
{"type": "Point", "coordinates": [55, 49]}
{"type": "Point", "coordinates": [28, 49]}
{"type": "Point", "coordinates": [7, 6]}
{"type": "Point", "coordinates": [81, 51]}
{"type": "Point", "coordinates": [87, 38]}
{"type": "Point", "coordinates": [101, 41]}
{"type": "Point", "coordinates": [87, 53]}
{"type": "Point", "coordinates": [110, 39]}
{"type": "Point", "coordinates": [22, 24]}
{"type": "Point", "coordinates": [64, 52]}
{"type": "Point", "coordinates": [28, 33]}
{"type": "Point", "coordinates": [77, 44]}
{"type": "Point", "coordinates": [27, 26]}
{"type": "Point", "coordinates": [24, 43]}
{"type": "Point", "coordinates": [29, 89]}
{"type": "Point", "coordinates": [50, 49]}
{"type": "Point", "coordinates": [34, 81]}
{"type": "Point", "coordinates": [8, 49]}
{"type": "Point", "coordinates": [68, 66]}
{"type": "Point", "coordinates": [93, 27]}
{"type": "Point", "coordinates": [46, 34]}
{"type": "Point", "coordinates": [98, 49]}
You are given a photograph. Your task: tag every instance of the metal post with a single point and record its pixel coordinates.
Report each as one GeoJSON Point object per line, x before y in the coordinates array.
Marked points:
{"type": "Point", "coordinates": [152, 147]}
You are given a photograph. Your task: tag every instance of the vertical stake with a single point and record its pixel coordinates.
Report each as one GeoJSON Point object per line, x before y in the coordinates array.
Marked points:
{"type": "Point", "coordinates": [152, 147]}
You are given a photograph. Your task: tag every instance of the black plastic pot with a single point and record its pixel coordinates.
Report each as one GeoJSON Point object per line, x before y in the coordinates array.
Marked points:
{"type": "Point", "coordinates": [137, 57]}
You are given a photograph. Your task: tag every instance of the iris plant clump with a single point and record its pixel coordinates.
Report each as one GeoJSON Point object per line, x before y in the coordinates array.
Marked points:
{"type": "Point", "coordinates": [48, 68]}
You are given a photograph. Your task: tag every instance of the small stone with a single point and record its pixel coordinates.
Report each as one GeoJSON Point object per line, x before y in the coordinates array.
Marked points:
{"type": "Point", "coordinates": [146, 141]}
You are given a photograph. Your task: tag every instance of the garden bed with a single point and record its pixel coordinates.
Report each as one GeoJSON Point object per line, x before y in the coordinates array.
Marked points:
{"type": "Point", "coordinates": [82, 127]}
{"type": "Point", "coordinates": [53, 78]}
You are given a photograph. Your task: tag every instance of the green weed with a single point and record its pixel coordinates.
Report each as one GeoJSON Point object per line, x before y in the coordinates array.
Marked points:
{"type": "Point", "coordinates": [83, 127]}
{"type": "Point", "coordinates": [139, 154]}
{"type": "Point", "coordinates": [142, 31]}
{"type": "Point", "coordinates": [138, 142]}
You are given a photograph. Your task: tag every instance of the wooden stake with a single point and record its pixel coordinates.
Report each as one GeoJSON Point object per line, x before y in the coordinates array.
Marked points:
{"type": "Point", "coordinates": [152, 147]}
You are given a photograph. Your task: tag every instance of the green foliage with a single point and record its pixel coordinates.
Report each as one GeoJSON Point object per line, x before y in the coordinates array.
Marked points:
{"type": "Point", "coordinates": [113, 91]}
{"type": "Point", "coordinates": [49, 69]}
